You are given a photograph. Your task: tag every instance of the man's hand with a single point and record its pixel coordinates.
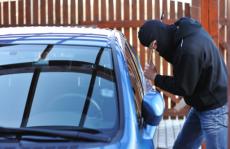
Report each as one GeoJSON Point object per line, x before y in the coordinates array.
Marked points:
{"type": "Point", "coordinates": [150, 71]}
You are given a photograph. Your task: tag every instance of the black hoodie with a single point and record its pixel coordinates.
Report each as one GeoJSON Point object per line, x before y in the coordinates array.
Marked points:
{"type": "Point", "coordinates": [199, 72]}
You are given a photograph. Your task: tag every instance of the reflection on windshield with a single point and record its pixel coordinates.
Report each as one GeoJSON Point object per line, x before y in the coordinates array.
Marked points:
{"type": "Point", "coordinates": [61, 97]}
{"type": "Point", "coordinates": [61, 101]}
{"type": "Point", "coordinates": [14, 90]}
{"type": "Point", "coordinates": [20, 53]}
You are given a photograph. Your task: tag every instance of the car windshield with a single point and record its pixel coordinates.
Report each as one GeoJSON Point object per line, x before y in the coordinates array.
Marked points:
{"type": "Point", "coordinates": [74, 87]}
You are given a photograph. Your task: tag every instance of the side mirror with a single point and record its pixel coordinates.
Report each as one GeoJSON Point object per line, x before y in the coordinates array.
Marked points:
{"type": "Point", "coordinates": [153, 106]}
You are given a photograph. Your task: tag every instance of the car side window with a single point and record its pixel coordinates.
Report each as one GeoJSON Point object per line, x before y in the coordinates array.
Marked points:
{"type": "Point", "coordinates": [135, 80]}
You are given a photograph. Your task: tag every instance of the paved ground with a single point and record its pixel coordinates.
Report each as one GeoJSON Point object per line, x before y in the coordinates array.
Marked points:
{"type": "Point", "coordinates": [167, 132]}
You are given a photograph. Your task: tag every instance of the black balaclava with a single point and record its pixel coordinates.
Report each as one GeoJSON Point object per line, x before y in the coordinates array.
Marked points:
{"type": "Point", "coordinates": [164, 35]}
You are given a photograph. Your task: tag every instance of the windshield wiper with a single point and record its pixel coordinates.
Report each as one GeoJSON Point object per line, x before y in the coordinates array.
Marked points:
{"type": "Point", "coordinates": [70, 135]}
{"type": "Point", "coordinates": [68, 128]}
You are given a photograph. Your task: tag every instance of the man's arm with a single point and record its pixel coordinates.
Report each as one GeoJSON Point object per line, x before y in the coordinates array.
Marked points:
{"type": "Point", "coordinates": [186, 75]}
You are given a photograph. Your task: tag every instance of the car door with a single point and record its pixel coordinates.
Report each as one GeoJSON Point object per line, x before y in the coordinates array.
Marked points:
{"type": "Point", "coordinates": [136, 77]}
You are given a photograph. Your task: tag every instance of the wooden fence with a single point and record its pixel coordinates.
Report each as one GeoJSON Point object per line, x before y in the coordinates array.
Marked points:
{"type": "Point", "coordinates": [124, 15]}
{"type": "Point", "coordinates": [222, 26]}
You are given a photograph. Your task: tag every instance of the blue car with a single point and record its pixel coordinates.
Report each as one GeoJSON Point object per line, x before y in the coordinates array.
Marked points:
{"type": "Point", "coordinates": [74, 87]}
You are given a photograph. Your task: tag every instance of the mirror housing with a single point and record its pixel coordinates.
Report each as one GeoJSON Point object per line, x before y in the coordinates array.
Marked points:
{"type": "Point", "coordinates": [153, 106]}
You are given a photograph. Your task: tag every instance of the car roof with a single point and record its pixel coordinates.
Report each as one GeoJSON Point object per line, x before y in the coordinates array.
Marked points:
{"type": "Point", "coordinates": [60, 35]}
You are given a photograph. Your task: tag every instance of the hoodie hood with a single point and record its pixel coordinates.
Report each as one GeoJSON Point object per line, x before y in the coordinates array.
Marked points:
{"type": "Point", "coordinates": [168, 37]}
{"type": "Point", "coordinates": [186, 26]}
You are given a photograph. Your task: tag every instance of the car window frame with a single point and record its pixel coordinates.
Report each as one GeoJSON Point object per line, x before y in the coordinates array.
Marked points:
{"type": "Point", "coordinates": [115, 46]}
{"type": "Point", "coordinates": [137, 86]}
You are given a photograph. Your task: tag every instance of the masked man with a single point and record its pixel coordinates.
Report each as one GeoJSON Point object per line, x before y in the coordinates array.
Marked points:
{"type": "Point", "coordinates": [199, 75]}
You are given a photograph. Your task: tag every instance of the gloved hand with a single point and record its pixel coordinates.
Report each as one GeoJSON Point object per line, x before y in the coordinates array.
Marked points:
{"type": "Point", "coordinates": [150, 71]}
{"type": "Point", "coordinates": [149, 85]}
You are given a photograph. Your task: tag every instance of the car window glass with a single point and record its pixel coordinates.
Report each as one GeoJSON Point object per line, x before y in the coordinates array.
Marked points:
{"type": "Point", "coordinates": [106, 59]}
{"type": "Point", "coordinates": [14, 90]}
{"type": "Point", "coordinates": [73, 53]}
{"type": "Point", "coordinates": [81, 53]}
{"type": "Point", "coordinates": [20, 53]}
{"type": "Point", "coordinates": [60, 98]}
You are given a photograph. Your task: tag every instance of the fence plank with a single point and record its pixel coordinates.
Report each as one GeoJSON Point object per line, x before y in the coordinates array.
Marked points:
{"type": "Point", "coordinates": [20, 13]}
{"type": "Point", "coordinates": [142, 10]}
{"type": "Point", "coordinates": [6, 13]}
{"type": "Point", "coordinates": [118, 10]}
{"type": "Point", "coordinates": [80, 11]}
{"type": "Point", "coordinates": [173, 18]}
{"type": "Point", "coordinates": [65, 12]}
{"type": "Point", "coordinates": [73, 12]}
{"type": "Point", "coordinates": [126, 17]}
{"type": "Point", "coordinates": [43, 12]}
{"type": "Point", "coordinates": [213, 20]}
{"type": "Point", "coordinates": [28, 12]}
{"type": "Point", "coordinates": [222, 27]}
{"type": "Point", "coordinates": [196, 13]}
{"type": "Point", "coordinates": [134, 9]}
{"type": "Point", "coordinates": [134, 29]}
{"type": "Point", "coordinates": [103, 10]}
{"type": "Point", "coordinates": [187, 10]}
{"type": "Point", "coordinates": [157, 16]}
{"type": "Point", "coordinates": [164, 64]}
{"type": "Point", "coordinates": [149, 16]}
{"type": "Point", "coordinates": [95, 10]}
{"type": "Point", "coordinates": [13, 13]}
{"type": "Point", "coordinates": [157, 9]}
{"type": "Point", "coordinates": [35, 12]}
{"type": "Point", "coordinates": [180, 10]}
{"type": "Point", "coordinates": [88, 10]}
{"type": "Point", "coordinates": [165, 9]}
{"type": "Point", "coordinates": [57, 12]}
{"type": "Point", "coordinates": [50, 12]}
{"type": "Point", "coordinates": [149, 9]}
{"type": "Point", "coordinates": [204, 14]}
{"type": "Point", "coordinates": [117, 24]}
{"type": "Point", "coordinates": [111, 10]}
{"type": "Point", "coordinates": [142, 49]}
{"type": "Point", "coordinates": [172, 10]}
